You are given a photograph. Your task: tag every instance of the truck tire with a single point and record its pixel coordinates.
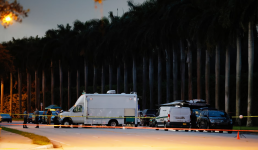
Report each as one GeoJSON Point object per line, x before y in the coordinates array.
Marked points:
{"type": "Point", "coordinates": [66, 124]}
{"type": "Point", "coordinates": [112, 123]}
{"type": "Point", "coordinates": [156, 126]}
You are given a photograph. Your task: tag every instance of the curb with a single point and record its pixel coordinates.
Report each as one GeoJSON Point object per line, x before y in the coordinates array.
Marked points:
{"type": "Point", "coordinates": [45, 147]}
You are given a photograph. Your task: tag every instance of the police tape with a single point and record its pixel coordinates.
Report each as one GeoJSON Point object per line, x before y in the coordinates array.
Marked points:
{"type": "Point", "coordinates": [78, 116]}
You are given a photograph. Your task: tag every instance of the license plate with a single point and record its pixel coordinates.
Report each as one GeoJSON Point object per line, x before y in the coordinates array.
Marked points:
{"type": "Point", "coordinates": [184, 123]}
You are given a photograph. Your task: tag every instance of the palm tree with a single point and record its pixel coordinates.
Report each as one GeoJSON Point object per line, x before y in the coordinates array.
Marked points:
{"type": "Point", "coordinates": [182, 62]}
{"type": "Point", "coordinates": [175, 72]}
{"type": "Point", "coordinates": [199, 53]}
{"type": "Point", "coordinates": [189, 61]}
{"type": "Point", "coordinates": [207, 77]}
{"type": "Point", "coordinates": [217, 76]}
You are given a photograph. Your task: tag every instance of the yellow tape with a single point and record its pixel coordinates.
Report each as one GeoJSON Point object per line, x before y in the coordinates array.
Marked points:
{"type": "Point", "coordinates": [81, 116]}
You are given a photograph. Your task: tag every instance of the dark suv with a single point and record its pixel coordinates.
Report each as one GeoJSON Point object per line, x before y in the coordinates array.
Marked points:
{"type": "Point", "coordinates": [214, 119]}
{"type": "Point", "coordinates": [147, 113]}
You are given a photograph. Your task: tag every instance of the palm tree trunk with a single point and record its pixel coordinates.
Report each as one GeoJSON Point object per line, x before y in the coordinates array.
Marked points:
{"type": "Point", "coordinates": [11, 92]}
{"type": "Point", "coordinates": [94, 78]}
{"type": "Point", "coordinates": [144, 82]}
{"type": "Point", "coordinates": [85, 75]}
{"type": "Point", "coordinates": [227, 71]}
{"type": "Point", "coordinates": [36, 89]}
{"type": "Point", "coordinates": [61, 83]}
{"type": "Point", "coordinates": [199, 85]}
{"type": "Point", "coordinates": [28, 91]}
{"type": "Point", "coordinates": [174, 73]}
{"type": "Point", "coordinates": [159, 78]}
{"type": "Point", "coordinates": [110, 76]}
{"type": "Point", "coordinates": [125, 78]}
{"type": "Point", "coordinates": [78, 83]}
{"type": "Point", "coordinates": [207, 77]}
{"type": "Point", "coordinates": [250, 72]}
{"type": "Point", "coordinates": [43, 88]}
{"type": "Point", "coordinates": [168, 72]}
{"type": "Point", "coordinates": [2, 94]}
{"type": "Point", "coordinates": [189, 61]}
{"type": "Point", "coordinates": [238, 74]}
{"type": "Point", "coordinates": [69, 88]}
{"type": "Point", "coordinates": [151, 80]}
{"type": "Point", "coordinates": [118, 79]}
{"type": "Point", "coordinates": [52, 83]}
{"type": "Point", "coordinates": [103, 80]}
{"type": "Point", "coordinates": [134, 75]}
{"type": "Point", "coordinates": [217, 76]}
{"type": "Point", "coordinates": [20, 91]}
{"type": "Point", "coordinates": [182, 51]}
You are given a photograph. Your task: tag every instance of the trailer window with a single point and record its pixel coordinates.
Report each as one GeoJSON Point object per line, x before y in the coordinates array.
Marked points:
{"type": "Point", "coordinates": [78, 108]}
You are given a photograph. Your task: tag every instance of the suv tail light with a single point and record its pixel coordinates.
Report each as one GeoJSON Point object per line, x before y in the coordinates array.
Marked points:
{"type": "Point", "coordinates": [168, 117]}
{"type": "Point", "coordinates": [145, 116]}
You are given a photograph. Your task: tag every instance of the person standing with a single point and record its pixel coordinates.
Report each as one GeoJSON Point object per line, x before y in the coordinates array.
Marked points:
{"type": "Point", "coordinates": [25, 117]}
{"type": "Point", "coordinates": [49, 113]}
{"type": "Point", "coordinates": [37, 118]}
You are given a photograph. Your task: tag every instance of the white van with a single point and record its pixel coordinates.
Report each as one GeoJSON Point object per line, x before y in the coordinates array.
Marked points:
{"type": "Point", "coordinates": [102, 109]}
{"type": "Point", "coordinates": [173, 117]}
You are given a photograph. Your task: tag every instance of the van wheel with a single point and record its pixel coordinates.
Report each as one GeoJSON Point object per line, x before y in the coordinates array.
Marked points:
{"type": "Point", "coordinates": [156, 126]}
{"type": "Point", "coordinates": [165, 126]}
{"type": "Point", "coordinates": [112, 123]}
{"type": "Point", "coordinates": [220, 131]}
{"type": "Point", "coordinates": [66, 124]}
{"type": "Point", "coordinates": [229, 132]}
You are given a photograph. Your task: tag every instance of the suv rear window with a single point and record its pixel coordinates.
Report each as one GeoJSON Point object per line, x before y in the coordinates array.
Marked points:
{"type": "Point", "coordinates": [217, 114]}
{"type": "Point", "coordinates": [5, 115]}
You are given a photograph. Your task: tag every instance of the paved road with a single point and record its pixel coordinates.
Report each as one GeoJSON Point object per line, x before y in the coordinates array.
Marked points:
{"type": "Point", "coordinates": [96, 138]}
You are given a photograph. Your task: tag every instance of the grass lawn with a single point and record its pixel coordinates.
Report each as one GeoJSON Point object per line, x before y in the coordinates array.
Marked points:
{"type": "Point", "coordinates": [37, 139]}
{"type": "Point", "coordinates": [244, 128]}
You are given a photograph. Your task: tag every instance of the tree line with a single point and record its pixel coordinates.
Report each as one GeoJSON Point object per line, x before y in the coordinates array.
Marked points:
{"type": "Point", "coordinates": [169, 31]}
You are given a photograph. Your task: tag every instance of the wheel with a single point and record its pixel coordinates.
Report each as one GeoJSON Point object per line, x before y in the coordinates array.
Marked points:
{"type": "Point", "coordinates": [200, 127]}
{"type": "Point", "coordinates": [229, 132]}
{"type": "Point", "coordinates": [156, 126]}
{"type": "Point", "coordinates": [136, 125]}
{"type": "Point", "coordinates": [112, 123]}
{"type": "Point", "coordinates": [165, 126]}
{"type": "Point", "coordinates": [208, 127]}
{"type": "Point", "coordinates": [66, 124]}
{"type": "Point", "coordinates": [186, 130]}
{"type": "Point", "coordinates": [220, 131]}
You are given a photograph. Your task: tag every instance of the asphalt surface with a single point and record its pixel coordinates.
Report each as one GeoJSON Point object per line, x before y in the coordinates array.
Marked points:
{"type": "Point", "coordinates": [99, 138]}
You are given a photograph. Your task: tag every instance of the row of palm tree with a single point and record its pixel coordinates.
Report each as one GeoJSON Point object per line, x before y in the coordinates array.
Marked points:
{"type": "Point", "coordinates": [162, 29]}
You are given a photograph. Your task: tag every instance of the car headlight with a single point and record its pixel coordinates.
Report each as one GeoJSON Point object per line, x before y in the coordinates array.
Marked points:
{"type": "Point", "coordinates": [212, 120]}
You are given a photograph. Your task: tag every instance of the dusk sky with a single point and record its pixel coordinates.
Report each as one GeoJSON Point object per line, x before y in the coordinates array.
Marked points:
{"type": "Point", "coordinates": [46, 14]}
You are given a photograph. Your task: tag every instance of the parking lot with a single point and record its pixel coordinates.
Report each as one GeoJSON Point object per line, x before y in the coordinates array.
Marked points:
{"type": "Point", "coordinates": [99, 138]}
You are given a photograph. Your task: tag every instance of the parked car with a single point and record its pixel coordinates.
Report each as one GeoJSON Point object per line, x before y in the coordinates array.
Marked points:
{"type": "Point", "coordinates": [5, 117]}
{"type": "Point", "coordinates": [214, 119]}
{"type": "Point", "coordinates": [40, 116]}
{"type": "Point", "coordinates": [173, 117]}
{"type": "Point", "coordinates": [147, 113]}
{"type": "Point", "coordinates": [30, 117]}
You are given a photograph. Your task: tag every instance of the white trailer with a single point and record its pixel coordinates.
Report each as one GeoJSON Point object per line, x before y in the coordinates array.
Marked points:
{"type": "Point", "coordinates": [102, 109]}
